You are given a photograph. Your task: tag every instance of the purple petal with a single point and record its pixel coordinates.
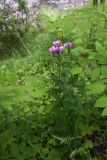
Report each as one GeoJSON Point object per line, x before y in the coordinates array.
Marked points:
{"type": "Point", "coordinates": [54, 49]}
{"type": "Point", "coordinates": [57, 43]}
{"type": "Point", "coordinates": [68, 45]}
{"type": "Point", "coordinates": [61, 49]}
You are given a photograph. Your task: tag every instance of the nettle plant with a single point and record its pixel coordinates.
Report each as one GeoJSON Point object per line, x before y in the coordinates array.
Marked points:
{"type": "Point", "coordinates": [66, 91]}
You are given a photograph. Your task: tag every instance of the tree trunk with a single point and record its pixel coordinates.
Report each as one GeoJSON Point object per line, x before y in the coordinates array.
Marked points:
{"type": "Point", "coordinates": [95, 2]}
{"type": "Point", "coordinates": [102, 1]}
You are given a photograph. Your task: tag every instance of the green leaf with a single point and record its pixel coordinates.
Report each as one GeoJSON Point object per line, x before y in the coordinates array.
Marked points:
{"type": "Point", "coordinates": [84, 25]}
{"type": "Point", "coordinates": [53, 155]}
{"type": "Point", "coordinates": [38, 148]}
{"type": "Point", "coordinates": [5, 139]}
{"type": "Point", "coordinates": [78, 42]}
{"type": "Point", "coordinates": [48, 109]}
{"type": "Point", "coordinates": [98, 46]}
{"type": "Point", "coordinates": [76, 70]}
{"type": "Point", "coordinates": [95, 158]}
{"type": "Point", "coordinates": [101, 15]}
{"type": "Point", "coordinates": [104, 71]}
{"type": "Point", "coordinates": [95, 88]}
{"type": "Point", "coordinates": [23, 146]}
{"type": "Point", "coordinates": [101, 102]}
{"type": "Point", "coordinates": [5, 155]}
{"type": "Point", "coordinates": [104, 113]}
{"type": "Point", "coordinates": [14, 150]}
{"type": "Point", "coordinates": [88, 144]}
{"type": "Point", "coordinates": [95, 73]}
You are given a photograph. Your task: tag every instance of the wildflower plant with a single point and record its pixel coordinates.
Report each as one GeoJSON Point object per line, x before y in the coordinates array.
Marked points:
{"type": "Point", "coordinates": [64, 84]}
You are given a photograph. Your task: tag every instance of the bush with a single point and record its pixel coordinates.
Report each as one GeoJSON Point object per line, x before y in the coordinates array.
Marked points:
{"type": "Point", "coordinates": [14, 25]}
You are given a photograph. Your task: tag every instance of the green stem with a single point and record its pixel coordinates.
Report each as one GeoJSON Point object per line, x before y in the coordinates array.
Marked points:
{"type": "Point", "coordinates": [59, 71]}
{"type": "Point", "coordinates": [70, 56]}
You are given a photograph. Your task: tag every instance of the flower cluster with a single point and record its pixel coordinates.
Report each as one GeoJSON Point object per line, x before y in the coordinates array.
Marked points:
{"type": "Point", "coordinates": [59, 48]}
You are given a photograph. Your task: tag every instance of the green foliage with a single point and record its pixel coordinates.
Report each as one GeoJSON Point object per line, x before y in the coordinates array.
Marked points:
{"type": "Point", "coordinates": [14, 27]}
{"type": "Point", "coordinates": [55, 107]}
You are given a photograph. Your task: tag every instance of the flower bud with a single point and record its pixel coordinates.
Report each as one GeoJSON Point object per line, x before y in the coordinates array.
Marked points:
{"type": "Point", "coordinates": [68, 45]}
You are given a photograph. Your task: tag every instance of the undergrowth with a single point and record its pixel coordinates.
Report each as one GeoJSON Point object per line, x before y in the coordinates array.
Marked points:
{"type": "Point", "coordinates": [54, 107]}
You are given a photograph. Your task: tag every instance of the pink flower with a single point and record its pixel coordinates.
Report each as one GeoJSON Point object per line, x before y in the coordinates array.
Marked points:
{"type": "Point", "coordinates": [68, 45]}
{"type": "Point", "coordinates": [61, 49]}
{"type": "Point", "coordinates": [57, 43]}
{"type": "Point", "coordinates": [57, 48]}
{"type": "Point", "coordinates": [54, 49]}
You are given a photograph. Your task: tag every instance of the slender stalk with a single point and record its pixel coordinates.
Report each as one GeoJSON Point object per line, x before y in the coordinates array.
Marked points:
{"type": "Point", "coordinates": [59, 71]}
{"type": "Point", "coordinates": [69, 54]}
